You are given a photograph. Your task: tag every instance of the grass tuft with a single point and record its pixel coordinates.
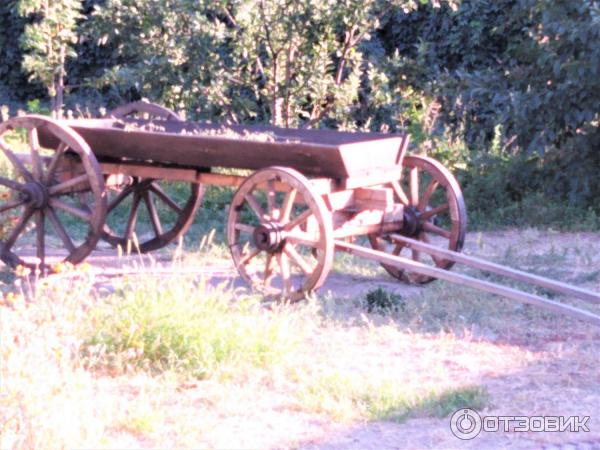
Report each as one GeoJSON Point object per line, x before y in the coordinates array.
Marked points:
{"type": "Point", "coordinates": [346, 397]}
{"type": "Point", "coordinates": [381, 301]}
{"type": "Point", "coordinates": [183, 325]}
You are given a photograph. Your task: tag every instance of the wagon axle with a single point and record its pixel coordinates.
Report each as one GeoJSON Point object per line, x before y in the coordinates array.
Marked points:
{"type": "Point", "coordinates": [36, 194]}
{"type": "Point", "coordinates": [269, 236]}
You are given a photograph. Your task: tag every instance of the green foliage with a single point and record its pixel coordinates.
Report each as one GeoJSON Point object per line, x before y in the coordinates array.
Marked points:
{"type": "Point", "coordinates": [342, 394]}
{"type": "Point", "coordinates": [506, 91]}
{"type": "Point", "coordinates": [383, 302]}
{"type": "Point", "coordinates": [49, 40]}
{"type": "Point", "coordinates": [182, 326]}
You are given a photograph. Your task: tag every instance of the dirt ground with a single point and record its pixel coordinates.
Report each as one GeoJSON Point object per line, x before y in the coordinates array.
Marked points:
{"type": "Point", "coordinates": [550, 373]}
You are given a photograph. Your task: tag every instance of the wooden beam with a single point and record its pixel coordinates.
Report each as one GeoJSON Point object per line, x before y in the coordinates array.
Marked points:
{"type": "Point", "coordinates": [508, 272]}
{"type": "Point", "coordinates": [493, 288]}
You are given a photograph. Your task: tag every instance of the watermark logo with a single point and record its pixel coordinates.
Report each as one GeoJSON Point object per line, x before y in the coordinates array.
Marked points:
{"type": "Point", "coordinates": [467, 423]}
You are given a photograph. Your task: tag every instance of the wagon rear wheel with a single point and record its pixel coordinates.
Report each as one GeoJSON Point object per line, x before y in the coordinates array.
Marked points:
{"type": "Point", "coordinates": [435, 213]}
{"type": "Point", "coordinates": [169, 208]}
{"type": "Point", "coordinates": [280, 234]}
{"type": "Point", "coordinates": [40, 206]}
{"type": "Point", "coordinates": [144, 110]}
{"type": "Point", "coordinates": [168, 212]}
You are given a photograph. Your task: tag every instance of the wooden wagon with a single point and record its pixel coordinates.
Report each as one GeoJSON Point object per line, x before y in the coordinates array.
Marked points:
{"type": "Point", "coordinates": [311, 193]}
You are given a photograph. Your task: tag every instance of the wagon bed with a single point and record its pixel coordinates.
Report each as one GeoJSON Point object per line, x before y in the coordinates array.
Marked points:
{"type": "Point", "coordinates": [318, 153]}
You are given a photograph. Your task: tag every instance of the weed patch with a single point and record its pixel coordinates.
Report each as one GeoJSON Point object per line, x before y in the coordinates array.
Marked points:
{"type": "Point", "coordinates": [381, 301]}
{"type": "Point", "coordinates": [345, 397]}
{"type": "Point", "coordinates": [182, 325]}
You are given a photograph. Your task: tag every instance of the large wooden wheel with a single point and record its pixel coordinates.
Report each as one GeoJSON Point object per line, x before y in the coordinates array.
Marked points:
{"type": "Point", "coordinates": [434, 212]}
{"type": "Point", "coordinates": [40, 206]}
{"type": "Point", "coordinates": [280, 234]}
{"type": "Point", "coordinates": [169, 212]}
{"type": "Point", "coordinates": [169, 208]}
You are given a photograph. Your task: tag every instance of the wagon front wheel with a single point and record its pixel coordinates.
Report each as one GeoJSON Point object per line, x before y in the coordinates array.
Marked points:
{"type": "Point", "coordinates": [280, 234]}
{"type": "Point", "coordinates": [49, 165]}
{"type": "Point", "coordinates": [434, 213]}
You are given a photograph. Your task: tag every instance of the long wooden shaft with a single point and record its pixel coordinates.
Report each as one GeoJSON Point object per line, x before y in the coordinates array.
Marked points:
{"type": "Point", "coordinates": [508, 272]}
{"type": "Point", "coordinates": [493, 288]}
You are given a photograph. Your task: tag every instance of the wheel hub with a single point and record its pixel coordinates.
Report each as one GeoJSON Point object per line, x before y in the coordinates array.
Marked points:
{"type": "Point", "coordinates": [37, 194]}
{"type": "Point", "coordinates": [268, 236]}
{"type": "Point", "coordinates": [411, 223]}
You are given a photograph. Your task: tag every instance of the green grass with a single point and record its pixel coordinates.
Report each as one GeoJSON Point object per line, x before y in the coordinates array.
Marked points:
{"type": "Point", "coordinates": [344, 396]}
{"type": "Point", "coordinates": [183, 325]}
{"type": "Point", "coordinates": [534, 210]}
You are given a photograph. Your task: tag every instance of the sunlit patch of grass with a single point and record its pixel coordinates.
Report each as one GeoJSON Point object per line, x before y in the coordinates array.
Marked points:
{"type": "Point", "coordinates": [347, 397]}
{"type": "Point", "coordinates": [352, 265]}
{"type": "Point", "coordinates": [184, 325]}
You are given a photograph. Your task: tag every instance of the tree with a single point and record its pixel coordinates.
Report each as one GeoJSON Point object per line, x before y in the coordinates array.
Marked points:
{"type": "Point", "coordinates": [287, 62]}
{"type": "Point", "coordinates": [48, 41]}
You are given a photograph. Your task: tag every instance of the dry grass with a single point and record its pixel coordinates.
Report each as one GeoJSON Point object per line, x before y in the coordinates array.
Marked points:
{"type": "Point", "coordinates": [73, 374]}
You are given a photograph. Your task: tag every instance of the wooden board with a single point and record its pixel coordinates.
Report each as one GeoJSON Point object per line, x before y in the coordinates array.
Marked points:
{"type": "Point", "coordinates": [324, 153]}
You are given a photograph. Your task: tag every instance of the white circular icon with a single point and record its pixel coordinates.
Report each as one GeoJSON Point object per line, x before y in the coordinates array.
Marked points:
{"type": "Point", "coordinates": [465, 424]}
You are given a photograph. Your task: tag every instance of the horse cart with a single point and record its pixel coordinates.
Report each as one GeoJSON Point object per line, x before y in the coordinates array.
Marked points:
{"type": "Point", "coordinates": [307, 194]}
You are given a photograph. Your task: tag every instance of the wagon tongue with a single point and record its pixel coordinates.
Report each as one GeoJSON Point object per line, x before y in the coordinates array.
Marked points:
{"type": "Point", "coordinates": [493, 288]}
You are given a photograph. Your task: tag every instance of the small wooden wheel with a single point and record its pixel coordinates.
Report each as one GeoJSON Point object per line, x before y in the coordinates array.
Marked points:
{"type": "Point", "coordinates": [280, 234]}
{"type": "Point", "coordinates": [434, 213]}
{"type": "Point", "coordinates": [169, 207]}
{"type": "Point", "coordinates": [48, 172]}
{"type": "Point", "coordinates": [144, 110]}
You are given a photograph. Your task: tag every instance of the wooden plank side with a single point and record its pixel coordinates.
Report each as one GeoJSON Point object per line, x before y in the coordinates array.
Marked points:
{"type": "Point", "coordinates": [313, 152]}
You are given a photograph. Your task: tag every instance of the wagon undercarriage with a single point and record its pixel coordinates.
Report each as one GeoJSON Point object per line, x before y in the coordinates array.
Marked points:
{"type": "Point", "coordinates": [285, 221]}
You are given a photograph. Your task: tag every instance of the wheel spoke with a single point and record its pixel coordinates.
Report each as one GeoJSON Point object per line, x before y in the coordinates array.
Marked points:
{"type": "Point", "coordinates": [291, 251]}
{"type": "Point", "coordinates": [427, 195]}
{"type": "Point", "coordinates": [11, 205]}
{"type": "Point", "coordinates": [428, 226]}
{"type": "Point", "coordinates": [245, 259]}
{"type": "Point", "coordinates": [288, 204]}
{"type": "Point", "coordinates": [398, 248]}
{"type": "Point", "coordinates": [34, 147]}
{"type": "Point", "coordinates": [39, 231]}
{"type": "Point", "coordinates": [153, 213]}
{"type": "Point", "coordinates": [434, 212]}
{"type": "Point", "coordinates": [416, 255]}
{"type": "Point", "coordinates": [268, 276]}
{"type": "Point", "coordinates": [284, 266]}
{"type": "Point", "coordinates": [132, 216]}
{"type": "Point", "coordinates": [414, 186]}
{"type": "Point", "coordinates": [60, 230]}
{"type": "Point", "coordinates": [54, 162]}
{"type": "Point", "coordinates": [165, 198]}
{"type": "Point", "coordinates": [298, 220]}
{"type": "Point", "coordinates": [245, 228]}
{"type": "Point", "coordinates": [423, 237]}
{"type": "Point", "coordinates": [65, 187]}
{"type": "Point", "coordinates": [301, 238]}
{"type": "Point", "coordinates": [14, 235]}
{"type": "Point", "coordinates": [73, 210]}
{"type": "Point", "coordinates": [18, 165]}
{"type": "Point", "coordinates": [400, 193]}
{"type": "Point", "coordinates": [119, 198]}
{"type": "Point", "coordinates": [12, 184]}
{"type": "Point", "coordinates": [271, 194]}
{"type": "Point", "coordinates": [256, 208]}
